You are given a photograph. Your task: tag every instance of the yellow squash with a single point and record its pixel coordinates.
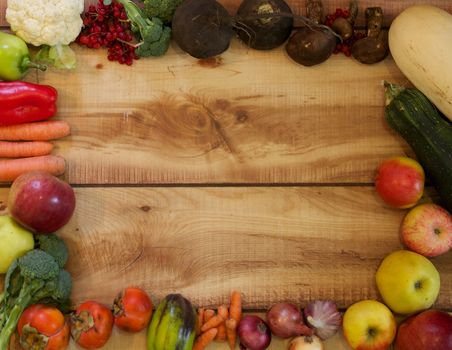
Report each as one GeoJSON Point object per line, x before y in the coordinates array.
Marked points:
{"type": "Point", "coordinates": [420, 41]}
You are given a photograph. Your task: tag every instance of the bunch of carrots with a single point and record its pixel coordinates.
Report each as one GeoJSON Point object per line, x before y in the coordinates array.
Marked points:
{"type": "Point", "coordinates": [220, 325]}
{"type": "Point", "coordinates": [26, 132]}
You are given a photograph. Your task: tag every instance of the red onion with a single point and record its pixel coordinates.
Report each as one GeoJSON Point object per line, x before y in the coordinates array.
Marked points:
{"type": "Point", "coordinates": [309, 342]}
{"type": "Point", "coordinates": [254, 333]}
{"type": "Point", "coordinates": [286, 320]}
{"type": "Point", "coordinates": [324, 317]}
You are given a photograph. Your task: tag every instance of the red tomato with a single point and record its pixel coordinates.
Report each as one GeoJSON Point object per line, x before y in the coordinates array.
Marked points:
{"type": "Point", "coordinates": [92, 324]}
{"type": "Point", "coordinates": [132, 309]}
{"type": "Point", "coordinates": [43, 327]}
{"type": "Point", "coordinates": [400, 182]}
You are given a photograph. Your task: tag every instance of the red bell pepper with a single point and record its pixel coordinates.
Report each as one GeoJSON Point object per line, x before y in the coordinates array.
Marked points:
{"type": "Point", "coordinates": [22, 102]}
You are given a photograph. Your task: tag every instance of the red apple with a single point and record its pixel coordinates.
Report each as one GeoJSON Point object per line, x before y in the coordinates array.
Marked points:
{"type": "Point", "coordinates": [429, 330]}
{"type": "Point", "coordinates": [400, 182]}
{"type": "Point", "coordinates": [427, 230]}
{"type": "Point", "coordinates": [41, 202]}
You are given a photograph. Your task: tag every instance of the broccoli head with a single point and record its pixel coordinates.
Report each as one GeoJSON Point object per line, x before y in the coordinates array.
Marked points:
{"type": "Point", "coordinates": [163, 9]}
{"type": "Point", "coordinates": [55, 291]}
{"type": "Point", "coordinates": [156, 39]}
{"type": "Point", "coordinates": [32, 278]}
{"type": "Point", "coordinates": [37, 265]}
{"type": "Point", "coordinates": [55, 246]}
{"type": "Point", "coordinates": [153, 35]}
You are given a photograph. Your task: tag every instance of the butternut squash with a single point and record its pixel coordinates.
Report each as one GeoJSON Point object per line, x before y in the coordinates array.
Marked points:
{"type": "Point", "coordinates": [420, 41]}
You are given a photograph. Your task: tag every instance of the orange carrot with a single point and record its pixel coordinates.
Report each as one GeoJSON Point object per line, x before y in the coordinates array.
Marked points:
{"type": "Point", "coordinates": [199, 320]}
{"type": "Point", "coordinates": [11, 149]}
{"type": "Point", "coordinates": [235, 310]}
{"type": "Point", "coordinates": [10, 169]}
{"type": "Point", "coordinates": [205, 339]}
{"type": "Point", "coordinates": [38, 131]}
{"type": "Point", "coordinates": [214, 322]}
{"type": "Point", "coordinates": [208, 314]}
{"type": "Point", "coordinates": [231, 331]}
{"type": "Point", "coordinates": [222, 311]}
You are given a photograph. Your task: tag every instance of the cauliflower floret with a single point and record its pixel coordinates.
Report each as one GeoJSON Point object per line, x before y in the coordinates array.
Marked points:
{"type": "Point", "coordinates": [45, 22]}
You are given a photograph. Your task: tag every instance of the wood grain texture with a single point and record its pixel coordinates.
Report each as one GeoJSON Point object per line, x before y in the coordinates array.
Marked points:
{"type": "Point", "coordinates": [282, 243]}
{"type": "Point", "coordinates": [391, 8]}
{"type": "Point", "coordinates": [273, 244]}
{"type": "Point", "coordinates": [256, 117]}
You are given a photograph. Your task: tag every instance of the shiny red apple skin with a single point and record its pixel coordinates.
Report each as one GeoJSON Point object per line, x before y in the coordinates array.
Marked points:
{"type": "Point", "coordinates": [400, 182]}
{"type": "Point", "coordinates": [41, 202]}
{"type": "Point", "coordinates": [427, 230]}
{"type": "Point", "coordinates": [429, 330]}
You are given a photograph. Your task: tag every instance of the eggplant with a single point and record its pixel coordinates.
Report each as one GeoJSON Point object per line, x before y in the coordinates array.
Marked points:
{"type": "Point", "coordinates": [173, 325]}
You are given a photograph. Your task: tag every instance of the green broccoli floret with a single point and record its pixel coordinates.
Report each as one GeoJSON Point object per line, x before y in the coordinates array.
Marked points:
{"type": "Point", "coordinates": [156, 47]}
{"type": "Point", "coordinates": [56, 290]}
{"type": "Point", "coordinates": [163, 9]}
{"type": "Point", "coordinates": [38, 266]}
{"type": "Point", "coordinates": [55, 246]}
{"type": "Point", "coordinates": [34, 277]}
{"type": "Point", "coordinates": [154, 36]}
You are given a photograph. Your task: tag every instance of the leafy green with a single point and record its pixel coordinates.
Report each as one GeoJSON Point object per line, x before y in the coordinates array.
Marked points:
{"type": "Point", "coordinates": [58, 56]}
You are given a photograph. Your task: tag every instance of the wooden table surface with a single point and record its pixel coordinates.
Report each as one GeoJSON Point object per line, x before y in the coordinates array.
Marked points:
{"type": "Point", "coordinates": [246, 172]}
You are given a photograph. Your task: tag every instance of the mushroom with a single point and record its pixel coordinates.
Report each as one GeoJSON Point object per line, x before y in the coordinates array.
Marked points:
{"type": "Point", "coordinates": [344, 26]}
{"type": "Point", "coordinates": [314, 43]}
{"type": "Point", "coordinates": [373, 48]}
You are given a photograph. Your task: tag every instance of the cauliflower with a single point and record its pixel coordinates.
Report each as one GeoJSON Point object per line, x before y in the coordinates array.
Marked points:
{"type": "Point", "coordinates": [45, 22]}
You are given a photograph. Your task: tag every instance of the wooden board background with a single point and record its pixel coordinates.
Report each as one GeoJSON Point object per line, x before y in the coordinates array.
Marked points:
{"type": "Point", "coordinates": [246, 172]}
{"type": "Point", "coordinates": [174, 120]}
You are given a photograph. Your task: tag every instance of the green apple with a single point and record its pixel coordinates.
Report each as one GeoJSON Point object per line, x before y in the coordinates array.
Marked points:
{"type": "Point", "coordinates": [408, 282]}
{"type": "Point", "coordinates": [15, 241]}
{"type": "Point", "coordinates": [369, 325]}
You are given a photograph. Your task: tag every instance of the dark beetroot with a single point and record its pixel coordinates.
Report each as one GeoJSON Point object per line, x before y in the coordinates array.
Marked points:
{"type": "Point", "coordinates": [202, 28]}
{"type": "Point", "coordinates": [264, 24]}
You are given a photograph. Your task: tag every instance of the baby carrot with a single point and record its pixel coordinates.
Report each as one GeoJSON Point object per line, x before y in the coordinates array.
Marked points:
{"type": "Point", "coordinates": [231, 331]}
{"type": "Point", "coordinates": [222, 311]}
{"type": "Point", "coordinates": [208, 314]}
{"type": "Point", "coordinates": [38, 131]}
{"type": "Point", "coordinates": [214, 322]}
{"type": "Point", "coordinates": [10, 169]}
{"type": "Point", "coordinates": [235, 310]}
{"type": "Point", "coordinates": [205, 339]}
{"type": "Point", "coordinates": [11, 149]}
{"type": "Point", "coordinates": [199, 320]}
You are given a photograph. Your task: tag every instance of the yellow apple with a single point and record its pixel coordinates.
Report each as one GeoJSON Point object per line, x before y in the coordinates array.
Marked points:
{"type": "Point", "coordinates": [369, 325]}
{"type": "Point", "coordinates": [408, 282]}
{"type": "Point", "coordinates": [15, 241]}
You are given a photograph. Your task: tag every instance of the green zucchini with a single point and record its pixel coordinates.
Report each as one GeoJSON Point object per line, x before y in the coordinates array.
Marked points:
{"type": "Point", "coordinates": [418, 121]}
{"type": "Point", "coordinates": [173, 325]}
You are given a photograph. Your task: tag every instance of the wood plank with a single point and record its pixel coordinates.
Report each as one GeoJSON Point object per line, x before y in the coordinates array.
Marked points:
{"type": "Point", "coordinates": [255, 118]}
{"type": "Point", "coordinates": [3, 4]}
{"type": "Point", "coordinates": [273, 244]}
{"type": "Point", "coordinates": [391, 8]}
